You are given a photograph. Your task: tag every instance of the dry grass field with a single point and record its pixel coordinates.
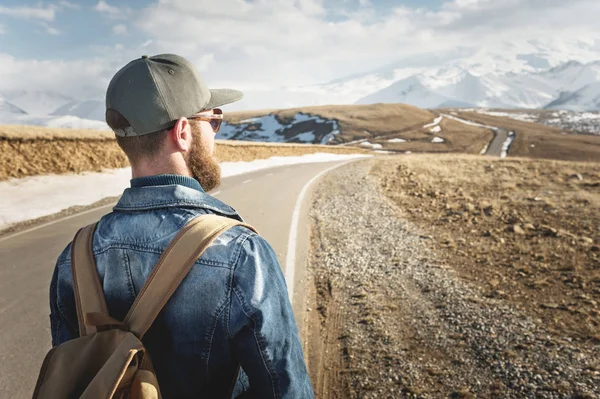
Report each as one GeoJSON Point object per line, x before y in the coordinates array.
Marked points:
{"type": "Point", "coordinates": [525, 231]}
{"type": "Point", "coordinates": [458, 138]}
{"type": "Point", "coordinates": [29, 151]}
{"type": "Point", "coordinates": [355, 121]}
{"type": "Point", "coordinates": [534, 140]}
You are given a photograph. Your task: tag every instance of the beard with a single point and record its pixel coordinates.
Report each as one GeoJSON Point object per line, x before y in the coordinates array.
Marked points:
{"type": "Point", "coordinates": [203, 166]}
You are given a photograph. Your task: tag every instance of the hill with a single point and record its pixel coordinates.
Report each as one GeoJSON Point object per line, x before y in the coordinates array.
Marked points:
{"type": "Point", "coordinates": [387, 128]}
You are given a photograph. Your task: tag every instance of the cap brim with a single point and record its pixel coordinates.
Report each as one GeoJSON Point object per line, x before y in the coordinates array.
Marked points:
{"type": "Point", "coordinates": [219, 97]}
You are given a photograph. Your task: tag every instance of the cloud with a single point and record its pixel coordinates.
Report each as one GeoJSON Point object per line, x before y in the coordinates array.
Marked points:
{"type": "Point", "coordinates": [67, 4]}
{"type": "Point", "coordinates": [2, 29]}
{"type": "Point", "coordinates": [266, 45]}
{"type": "Point", "coordinates": [42, 13]}
{"type": "Point", "coordinates": [119, 29]}
{"type": "Point", "coordinates": [50, 29]}
{"type": "Point", "coordinates": [79, 79]}
{"type": "Point", "coordinates": [287, 42]}
{"type": "Point", "coordinates": [106, 8]}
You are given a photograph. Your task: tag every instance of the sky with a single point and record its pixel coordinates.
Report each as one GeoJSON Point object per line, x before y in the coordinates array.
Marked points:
{"type": "Point", "coordinates": [75, 47]}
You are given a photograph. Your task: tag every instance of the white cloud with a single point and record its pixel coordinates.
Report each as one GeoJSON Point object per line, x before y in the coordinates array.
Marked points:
{"type": "Point", "coordinates": [119, 29]}
{"type": "Point", "coordinates": [68, 4]}
{"type": "Point", "coordinates": [104, 7]}
{"type": "Point", "coordinates": [266, 45]}
{"type": "Point", "coordinates": [50, 29]}
{"type": "Point", "coordinates": [289, 42]}
{"type": "Point", "coordinates": [79, 79]}
{"type": "Point", "coordinates": [43, 13]}
{"type": "Point", "coordinates": [2, 29]}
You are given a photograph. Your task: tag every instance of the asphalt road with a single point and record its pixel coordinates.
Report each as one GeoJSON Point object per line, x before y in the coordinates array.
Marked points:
{"type": "Point", "coordinates": [495, 147]}
{"type": "Point", "coordinates": [266, 199]}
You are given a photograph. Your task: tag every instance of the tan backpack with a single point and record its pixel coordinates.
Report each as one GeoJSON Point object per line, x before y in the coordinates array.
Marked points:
{"type": "Point", "coordinates": [108, 360]}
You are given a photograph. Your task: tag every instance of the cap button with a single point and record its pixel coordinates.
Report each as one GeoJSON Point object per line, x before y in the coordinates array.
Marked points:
{"type": "Point", "coordinates": [144, 57]}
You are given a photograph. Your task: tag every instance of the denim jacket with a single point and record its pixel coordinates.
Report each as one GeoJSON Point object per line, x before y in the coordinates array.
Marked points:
{"type": "Point", "coordinates": [232, 308]}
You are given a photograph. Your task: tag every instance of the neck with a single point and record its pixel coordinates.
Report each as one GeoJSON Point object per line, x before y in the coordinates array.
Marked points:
{"type": "Point", "coordinates": [152, 168]}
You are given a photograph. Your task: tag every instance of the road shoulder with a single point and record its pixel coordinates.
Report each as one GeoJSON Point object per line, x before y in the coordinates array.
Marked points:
{"type": "Point", "coordinates": [390, 317]}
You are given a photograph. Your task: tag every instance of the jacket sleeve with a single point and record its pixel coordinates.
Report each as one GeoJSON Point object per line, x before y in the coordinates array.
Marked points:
{"type": "Point", "coordinates": [59, 326]}
{"type": "Point", "coordinates": [262, 325]}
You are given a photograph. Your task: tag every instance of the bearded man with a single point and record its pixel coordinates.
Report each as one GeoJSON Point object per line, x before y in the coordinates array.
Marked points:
{"type": "Point", "coordinates": [232, 309]}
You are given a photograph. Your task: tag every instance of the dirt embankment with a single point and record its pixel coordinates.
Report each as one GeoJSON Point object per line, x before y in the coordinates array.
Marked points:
{"type": "Point", "coordinates": [29, 151]}
{"type": "Point", "coordinates": [456, 276]}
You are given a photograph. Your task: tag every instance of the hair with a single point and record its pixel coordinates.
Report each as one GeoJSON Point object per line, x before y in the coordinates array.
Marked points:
{"type": "Point", "coordinates": [136, 148]}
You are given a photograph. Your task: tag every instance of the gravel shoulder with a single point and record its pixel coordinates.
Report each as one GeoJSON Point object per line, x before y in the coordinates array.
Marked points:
{"type": "Point", "coordinates": [390, 317]}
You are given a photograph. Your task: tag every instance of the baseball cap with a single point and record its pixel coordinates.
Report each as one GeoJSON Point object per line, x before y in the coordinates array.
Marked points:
{"type": "Point", "coordinates": [153, 92]}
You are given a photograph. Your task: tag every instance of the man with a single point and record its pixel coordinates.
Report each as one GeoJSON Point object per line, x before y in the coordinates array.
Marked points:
{"type": "Point", "coordinates": [233, 307]}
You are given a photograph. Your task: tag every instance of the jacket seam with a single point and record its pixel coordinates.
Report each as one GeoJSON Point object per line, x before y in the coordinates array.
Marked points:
{"type": "Point", "coordinates": [60, 309]}
{"type": "Point", "coordinates": [210, 335]}
{"type": "Point", "coordinates": [134, 247]}
{"type": "Point", "coordinates": [170, 204]}
{"type": "Point", "coordinates": [260, 343]}
{"type": "Point", "coordinates": [128, 272]}
{"type": "Point", "coordinates": [239, 245]}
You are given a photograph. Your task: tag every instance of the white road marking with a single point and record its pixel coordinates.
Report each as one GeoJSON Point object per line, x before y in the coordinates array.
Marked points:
{"type": "Point", "coordinates": [290, 263]}
{"type": "Point", "coordinates": [55, 221]}
{"type": "Point", "coordinates": [247, 181]}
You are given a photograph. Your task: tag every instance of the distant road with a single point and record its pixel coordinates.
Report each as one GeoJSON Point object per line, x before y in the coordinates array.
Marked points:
{"type": "Point", "coordinates": [495, 147]}
{"type": "Point", "coordinates": [266, 199]}
{"type": "Point", "coordinates": [500, 135]}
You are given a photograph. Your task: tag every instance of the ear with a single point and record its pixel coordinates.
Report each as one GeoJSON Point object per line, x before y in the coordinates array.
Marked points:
{"type": "Point", "coordinates": [182, 134]}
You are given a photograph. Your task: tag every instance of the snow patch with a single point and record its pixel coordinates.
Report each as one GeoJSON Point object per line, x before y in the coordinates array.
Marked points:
{"type": "Point", "coordinates": [436, 129]}
{"type": "Point", "coordinates": [398, 140]}
{"type": "Point", "coordinates": [307, 129]}
{"type": "Point", "coordinates": [435, 122]}
{"type": "Point", "coordinates": [466, 122]}
{"type": "Point", "coordinates": [370, 145]}
{"type": "Point", "coordinates": [437, 140]}
{"type": "Point", "coordinates": [524, 117]}
{"type": "Point", "coordinates": [506, 144]}
{"type": "Point", "coordinates": [37, 196]}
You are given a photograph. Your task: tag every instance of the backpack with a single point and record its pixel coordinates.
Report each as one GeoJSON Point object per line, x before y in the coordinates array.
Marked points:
{"type": "Point", "coordinates": [108, 359]}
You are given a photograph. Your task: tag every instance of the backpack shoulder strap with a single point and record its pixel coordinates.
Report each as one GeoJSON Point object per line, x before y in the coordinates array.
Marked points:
{"type": "Point", "coordinates": [89, 297]}
{"type": "Point", "coordinates": [174, 264]}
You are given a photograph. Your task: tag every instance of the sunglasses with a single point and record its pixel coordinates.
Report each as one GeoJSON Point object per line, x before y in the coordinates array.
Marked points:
{"type": "Point", "coordinates": [214, 119]}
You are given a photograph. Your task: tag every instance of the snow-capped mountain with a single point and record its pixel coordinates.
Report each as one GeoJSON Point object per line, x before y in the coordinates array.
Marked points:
{"type": "Point", "coordinates": [572, 86]}
{"type": "Point", "coordinates": [10, 114]}
{"type": "Point", "coordinates": [89, 109]}
{"type": "Point", "coordinates": [555, 73]}
{"type": "Point", "coordinates": [8, 110]}
{"type": "Point", "coordinates": [407, 91]}
{"type": "Point", "coordinates": [37, 102]}
{"type": "Point", "coordinates": [509, 75]}
{"type": "Point", "coordinates": [587, 98]}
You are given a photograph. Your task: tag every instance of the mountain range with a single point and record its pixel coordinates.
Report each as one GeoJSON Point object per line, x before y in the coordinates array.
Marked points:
{"type": "Point", "coordinates": [552, 75]}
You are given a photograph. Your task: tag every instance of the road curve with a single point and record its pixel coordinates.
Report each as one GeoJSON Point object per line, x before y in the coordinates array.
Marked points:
{"type": "Point", "coordinates": [495, 146]}
{"type": "Point", "coordinates": [501, 135]}
{"type": "Point", "coordinates": [266, 199]}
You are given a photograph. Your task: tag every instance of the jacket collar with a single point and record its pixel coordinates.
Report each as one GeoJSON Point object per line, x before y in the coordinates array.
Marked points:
{"type": "Point", "coordinates": [167, 196]}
